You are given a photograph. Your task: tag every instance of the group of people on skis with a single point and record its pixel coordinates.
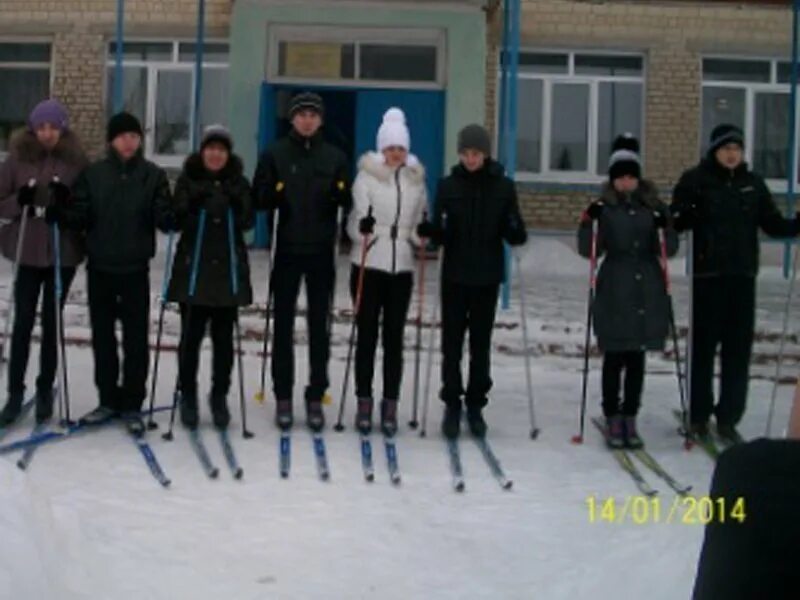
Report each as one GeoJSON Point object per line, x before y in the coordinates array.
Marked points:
{"type": "Point", "coordinates": [109, 211]}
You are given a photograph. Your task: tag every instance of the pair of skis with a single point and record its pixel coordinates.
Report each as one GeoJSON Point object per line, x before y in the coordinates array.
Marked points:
{"type": "Point", "coordinates": [200, 450]}
{"type": "Point", "coordinates": [457, 470]}
{"type": "Point", "coordinates": [623, 456]}
{"type": "Point", "coordinates": [368, 466]}
{"type": "Point", "coordinates": [320, 454]}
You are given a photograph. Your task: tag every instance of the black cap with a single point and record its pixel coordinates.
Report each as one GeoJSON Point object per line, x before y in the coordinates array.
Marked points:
{"type": "Point", "coordinates": [306, 101]}
{"type": "Point", "coordinates": [123, 123]}
{"type": "Point", "coordinates": [723, 135]}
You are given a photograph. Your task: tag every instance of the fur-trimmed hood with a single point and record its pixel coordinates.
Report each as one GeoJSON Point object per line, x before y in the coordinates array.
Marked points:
{"type": "Point", "coordinates": [195, 170]}
{"type": "Point", "coordinates": [374, 164]}
{"type": "Point", "coordinates": [647, 193]}
{"type": "Point", "coordinates": [25, 148]}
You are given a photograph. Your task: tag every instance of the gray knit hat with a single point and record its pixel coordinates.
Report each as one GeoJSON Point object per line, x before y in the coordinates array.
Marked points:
{"type": "Point", "coordinates": [218, 134]}
{"type": "Point", "coordinates": [475, 137]}
{"type": "Point", "coordinates": [306, 101]}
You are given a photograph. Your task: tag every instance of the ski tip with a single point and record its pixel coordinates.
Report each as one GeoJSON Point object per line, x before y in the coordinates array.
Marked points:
{"type": "Point", "coordinates": [338, 428]}
{"type": "Point", "coordinates": [534, 434]}
{"type": "Point", "coordinates": [248, 435]}
{"type": "Point", "coordinates": [21, 465]}
{"type": "Point", "coordinates": [214, 473]}
{"type": "Point", "coordinates": [238, 474]}
{"type": "Point", "coordinates": [396, 481]}
{"type": "Point", "coordinates": [167, 437]}
{"type": "Point", "coordinates": [325, 477]}
{"type": "Point", "coordinates": [413, 424]}
{"type": "Point", "coordinates": [151, 425]}
{"type": "Point", "coordinates": [369, 478]}
{"type": "Point", "coordinates": [284, 475]}
{"type": "Point", "coordinates": [507, 485]}
{"type": "Point", "coordinates": [166, 483]}
{"type": "Point", "coordinates": [459, 487]}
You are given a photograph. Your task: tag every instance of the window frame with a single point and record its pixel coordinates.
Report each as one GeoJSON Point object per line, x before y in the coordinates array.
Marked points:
{"type": "Point", "coordinates": [154, 67]}
{"type": "Point", "coordinates": [34, 66]}
{"type": "Point", "coordinates": [751, 89]}
{"type": "Point", "coordinates": [419, 36]}
{"type": "Point", "coordinates": [589, 176]}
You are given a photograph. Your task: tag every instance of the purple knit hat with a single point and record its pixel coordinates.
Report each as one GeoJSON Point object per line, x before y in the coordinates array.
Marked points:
{"type": "Point", "coordinates": [48, 111]}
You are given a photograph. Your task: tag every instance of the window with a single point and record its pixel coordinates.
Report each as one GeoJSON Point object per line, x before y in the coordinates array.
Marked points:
{"type": "Point", "coordinates": [358, 57]}
{"type": "Point", "coordinates": [754, 95]}
{"type": "Point", "coordinates": [24, 81]}
{"type": "Point", "coordinates": [571, 106]}
{"type": "Point", "coordinates": [158, 87]}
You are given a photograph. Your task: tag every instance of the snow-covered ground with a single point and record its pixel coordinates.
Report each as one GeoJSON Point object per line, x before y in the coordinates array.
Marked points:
{"type": "Point", "coordinates": [88, 521]}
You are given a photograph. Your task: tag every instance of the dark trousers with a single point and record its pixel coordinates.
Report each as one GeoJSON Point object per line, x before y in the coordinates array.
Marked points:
{"type": "Point", "coordinates": [30, 282]}
{"type": "Point", "coordinates": [193, 330]}
{"type": "Point", "coordinates": [614, 363]}
{"type": "Point", "coordinates": [467, 307]}
{"type": "Point", "coordinates": [318, 272]}
{"type": "Point", "coordinates": [123, 297]}
{"type": "Point", "coordinates": [384, 307]}
{"type": "Point", "coordinates": [724, 316]}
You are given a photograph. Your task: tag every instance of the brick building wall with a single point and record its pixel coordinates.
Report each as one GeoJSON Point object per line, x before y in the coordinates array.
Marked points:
{"type": "Point", "coordinates": [673, 36]}
{"type": "Point", "coordinates": [80, 30]}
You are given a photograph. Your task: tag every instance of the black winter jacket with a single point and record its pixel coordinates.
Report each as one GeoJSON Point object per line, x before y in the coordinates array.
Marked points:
{"type": "Point", "coordinates": [476, 212]}
{"type": "Point", "coordinates": [199, 188]}
{"type": "Point", "coordinates": [120, 205]}
{"type": "Point", "coordinates": [725, 209]}
{"type": "Point", "coordinates": [631, 308]}
{"type": "Point", "coordinates": [307, 180]}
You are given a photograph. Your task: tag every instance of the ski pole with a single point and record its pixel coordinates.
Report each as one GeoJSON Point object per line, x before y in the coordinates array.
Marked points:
{"type": "Point", "coordinates": [260, 395]}
{"type": "Point", "coordinates": [151, 424]}
{"type": "Point", "coordinates": [523, 316]}
{"type": "Point", "coordinates": [356, 306]}
{"type": "Point", "coordinates": [198, 245]}
{"type": "Point", "coordinates": [782, 348]}
{"type": "Point", "coordinates": [63, 389]}
{"type": "Point", "coordinates": [431, 343]}
{"type": "Point", "coordinates": [234, 269]}
{"type": "Point", "coordinates": [413, 423]}
{"type": "Point", "coordinates": [23, 227]}
{"type": "Point", "coordinates": [662, 241]}
{"type": "Point", "coordinates": [690, 333]}
{"type": "Point", "coordinates": [578, 439]}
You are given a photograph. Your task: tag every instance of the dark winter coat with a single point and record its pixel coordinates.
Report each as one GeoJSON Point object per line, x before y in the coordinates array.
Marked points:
{"type": "Point", "coordinates": [631, 307]}
{"type": "Point", "coordinates": [29, 160]}
{"type": "Point", "coordinates": [725, 209]}
{"type": "Point", "coordinates": [216, 192]}
{"type": "Point", "coordinates": [756, 558]}
{"type": "Point", "coordinates": [476, 212]}
{"type": "Point", "coordinates": [119, 205]}
{"type": "Point", "coordinates": [314, 175]}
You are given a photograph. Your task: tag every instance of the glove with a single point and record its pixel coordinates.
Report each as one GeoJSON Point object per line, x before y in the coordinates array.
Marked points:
{"type": "Point", "coordinates": [686, 218]}
{"type": "Point", "coordinates": [660, 220]}
{"type": "Point", "coordinates": [339, 191]}
{"type": "Point", "coordinates": [27, 194]}
{"type": "Point", "coordinates": [595, 210]}
{"type": "Point", "coordinates": [515, 233]}
{"type": "Point", "coordinates": [60, 193]}
{"type": "Point", "coordinates": [367, 225]}
{"type": "Point", "coordinates": [198, 199]}
{"type": "Point", "coordinates": [276, 196]}
{"type": "Point", "coordinates": [428, 230]}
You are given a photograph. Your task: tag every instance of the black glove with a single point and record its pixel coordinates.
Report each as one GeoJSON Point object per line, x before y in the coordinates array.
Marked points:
{"type": "Point", "coordinates": [60, 193]}
{"type": "Point", "coordinates": [367, 225]}
{"type": "Point", "coordinates": [686, 218]}
{"type": "Point", "coordinates": [515, 233]}
{"type": "Point", "coordinates": [26, 194]}
{"type": "Point", "coordinates": [660, 220]}
{"type": "Point", "coordinates": [428, 230]}
{"type": "Point", "coordinates": [595, 210]}
{"type": "Point", "coordinates": [198, 199]}
{"type": "Point", "coordinates": [339, 191]}
{"type": "Point", "coordinates": [275, 197]}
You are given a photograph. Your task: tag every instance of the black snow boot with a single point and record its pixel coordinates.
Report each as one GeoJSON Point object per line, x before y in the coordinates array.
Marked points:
{"type": "Point", "coordinates": [284, 417]}
{"type": "Point", "coordinates": [219, 411]}
{"type": "Point", "coordinates": [389, 417]}
{"type": "Point", "coordinates": [632, 438]}
{"type": "Point", "coordinates": [615, 432]}
{"type": "Point", "coordinates": [315, 418]}
{"type": "Point", "coordinates": [101, 414]}
{"type": "Point", "coordinates": [188, 407]}
{"type": "Point", "coordinates": [476, 422]}
{"type": "Point", "coordinates": [12, 409]}
{"type": "Point", "coordinates": [44, 405]}
{"type": "Point", "coordinates": [133, 423]}
{"type": "Point", "coordinates": [364, 416]}
{"type": "Point", "coordinates": [451, 423]}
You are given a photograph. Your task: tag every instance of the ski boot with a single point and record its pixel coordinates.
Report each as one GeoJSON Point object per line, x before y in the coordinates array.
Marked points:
{"type": "Point", "coordinates": [476, 422]}
{"type": "Point", "coordinates": [284, 417]}
{"type": "Point", "coordinates": [389, 417]}
{"type": "Point", "coordinates": [364, 416]}
{"type": "Point", "coordinates": [44, 406]}
{"type": "Point", "coordinates": [632, 438]}
{"type": "Point", "coordinates": [700, 432]}
{"type": "Point", "coordinates": [189, 414]}
{"type": "Point", "coordinates": [12, 409]}
{"type": "Point", "coordinates": [451, 423]}
{"type": "Point", "coordinates": [728, 434]}
{"type": "Point", "coordinates": [219, 411]}
{"type": "Point", "coordinates": [615, 434]}
{"type": "Point", "coordinates": [98, 416]}
{"type": "Point", "coordinates": [315, 417]}
{"type": "Point", "coordinates": [133, 423]}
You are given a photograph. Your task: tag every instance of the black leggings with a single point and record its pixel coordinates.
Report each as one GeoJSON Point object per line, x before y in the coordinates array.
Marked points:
{"type": "Point", "coordinates": [384, 306]}
{"type": "Point", "coordinates": [613, 365]}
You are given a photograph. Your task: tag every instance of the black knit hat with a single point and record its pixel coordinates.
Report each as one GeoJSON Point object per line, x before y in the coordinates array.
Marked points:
{"type": "Point", "coordinates": [217, 134]}
{"type": "Point", "coordinates": [306, 101]}
{"type": "Point", "coordinates": [725, 134]}
{"type": "Point", "coordinates": [624, 159]}
{"type": "Point", "coordinates": [475, 137]}
{"type": "Point", "coordinates": [123, 123]}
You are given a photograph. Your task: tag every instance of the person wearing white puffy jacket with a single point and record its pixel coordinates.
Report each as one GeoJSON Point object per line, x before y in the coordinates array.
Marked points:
{"type": "Point", "coordinates": [389, 201]}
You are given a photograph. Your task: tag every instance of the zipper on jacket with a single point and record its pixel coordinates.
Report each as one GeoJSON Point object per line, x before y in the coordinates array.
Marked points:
{"type": "Point", "coordinates": [396, 218]}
